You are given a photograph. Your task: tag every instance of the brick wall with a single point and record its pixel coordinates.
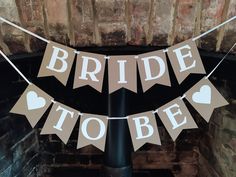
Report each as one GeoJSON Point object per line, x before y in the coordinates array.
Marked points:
{"type": "Point", "coordinates": [26, 153]}
{"type": "Point", "coordinates": [19, 145]}
{"type": "Point", "coordinates": [81, 23]}
{"type": "Point", "coordinates": [116, 23]}
{"type": "Point", "coordinates": [208, 151]}
{"type": "Point", "coordinates": [218, 145]}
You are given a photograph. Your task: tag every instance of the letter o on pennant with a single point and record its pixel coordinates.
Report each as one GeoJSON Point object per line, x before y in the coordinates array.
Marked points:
{"type": "Point", "coordinates": [84, 127]}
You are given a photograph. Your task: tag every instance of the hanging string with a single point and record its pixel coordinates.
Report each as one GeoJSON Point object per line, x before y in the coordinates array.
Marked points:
{"type": "Point", "coordinates": [165, 50]}
{"type": "Point", "coordinates": [221, 61]}
{"type": "Point", "coordinates": [216, 27]}
{"type": "Point", "coordinates": [14, 66]}
{"type": "Point", "coordinates": [112, 118]}
{"type": "Point", "coordinates": [22, 29]}
{"type": "Point", "coordinates": [117, 118]}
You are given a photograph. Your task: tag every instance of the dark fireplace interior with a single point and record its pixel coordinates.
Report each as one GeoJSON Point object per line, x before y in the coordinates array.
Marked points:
{"type": "Point", "coordinates": [208, 151]}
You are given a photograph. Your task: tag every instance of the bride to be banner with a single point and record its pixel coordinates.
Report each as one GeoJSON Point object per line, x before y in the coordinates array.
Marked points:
{"type": "Point", "coordinates": [122, 73]}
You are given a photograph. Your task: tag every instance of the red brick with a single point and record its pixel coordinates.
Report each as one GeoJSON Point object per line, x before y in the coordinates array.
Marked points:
{"type": "Point", "coordinates": [162, 156]}
{"type": "Point", "coordinates": [82, 18]}
{"type": "Point", "coordinates": [31, 14]}
{"type": "Point", "coordinates": [212, 12]}
{"type": "Point", "coordinates": [113, 34]}
{"type": "Point", "coordinates": [188, 157]}
{"type": "Point", "coordinates": [185, 20]}
{"type": "Point", "coordinates": [230, 30]}
{"type": "Point", "coordinates": [232, 144]}
{"type": "Point", "coordinates": [3, 46]}
{"type": "Point", "coordinates": [11, 36]}
{"type": "Point", "coordinates": [57, 18]}
{"type": "Point", "coordinates": [162, 21]}
{"type": "Point", "coordinates": [187, 170]}
{"type": "Point", "coordinates": [110, 11]}
{"type": "Point", "coordinates": [139, 12]}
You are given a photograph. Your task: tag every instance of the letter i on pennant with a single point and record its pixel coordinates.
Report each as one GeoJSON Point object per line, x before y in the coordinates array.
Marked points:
{"type": "Point", "coordinates": [122, 73]}
{"type": "Point", "coordinates": [143, 129]}
{"type": "Point", "coordinates": [57, 61]}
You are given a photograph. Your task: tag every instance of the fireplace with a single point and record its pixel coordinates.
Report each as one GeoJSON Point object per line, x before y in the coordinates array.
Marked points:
{"type": "Point", "coordinates": [116, 27]}
{"type": "Point", "coordinates": [206, 151]}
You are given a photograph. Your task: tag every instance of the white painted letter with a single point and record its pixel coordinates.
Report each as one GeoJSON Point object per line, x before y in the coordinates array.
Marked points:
{"type": "Point", "coordinates": [101, 132]}
{"type": "Point", "coordinates": [172, 115]}
{"type": "Point", "coordinates": [139, 127]}
{"type": "Point", "coordinates": [85, 72]}
{"type": "Point", "coordinates": [63, 117]}
{"type": "Point", "coordinates": [181, 58]}
{"type": "Point", "coordinates": [55, 57]}
{"type": "Point", "coordinates": [147, 67]}
{"type": "Point", "coordinates": [122, 71]}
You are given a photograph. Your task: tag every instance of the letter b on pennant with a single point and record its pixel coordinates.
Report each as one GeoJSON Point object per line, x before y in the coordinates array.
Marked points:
{"type": "Point", "coordinates": [141, 126]}
{"type": "Point", "coordinates": [143, 129]}
{"type": "Point", "coordinates": [57, 61]}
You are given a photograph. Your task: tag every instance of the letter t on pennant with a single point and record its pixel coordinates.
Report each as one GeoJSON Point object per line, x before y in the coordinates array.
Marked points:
{"type": "Point", "coordinates": [61, 121]}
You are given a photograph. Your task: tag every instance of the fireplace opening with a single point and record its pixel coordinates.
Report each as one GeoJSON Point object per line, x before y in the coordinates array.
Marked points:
{"type": "Point", "coordinates": [206, 151]}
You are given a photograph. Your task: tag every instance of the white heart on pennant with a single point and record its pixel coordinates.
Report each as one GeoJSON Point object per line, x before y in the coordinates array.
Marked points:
{"type": "Point", "coordinates": [203, 96]}
{"type": "Point", "coordinates": [34, 101]}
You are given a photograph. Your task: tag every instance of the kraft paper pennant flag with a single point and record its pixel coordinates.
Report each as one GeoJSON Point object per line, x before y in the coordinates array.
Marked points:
{"type": "Point", "coordinates": [143, 129]}
{"type": "Point", "coordinates": [89, 70]}
{"type": "Point", "coordinates": [33, 104]}
{"type": "Point", "coordinates": [176, 117]}
{"type": "Point", "coordinates": [92, 130]}
{"type": "Point", "coordinates": [61, 121]}
{"type": "Point", "coordinates": [122, 72]}
{"type": "Point", "coordinates": [153, 69]}
{"type": "Point", "coordinates": [57, 61]}
{"type": "Point", "coordinates": [185, 59]}
{"type": "Point", "coordinates": [204, 97]}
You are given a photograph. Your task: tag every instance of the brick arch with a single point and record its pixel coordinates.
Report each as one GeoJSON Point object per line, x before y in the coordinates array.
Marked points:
{"type": "Point", "coordinates": [116, 23]}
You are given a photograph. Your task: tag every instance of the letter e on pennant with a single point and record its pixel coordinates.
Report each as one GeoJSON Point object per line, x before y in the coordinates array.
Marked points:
{"type": "Point", "coordinates": [185, 59]}
{"type": "Point", "coordinates": [176, 117]}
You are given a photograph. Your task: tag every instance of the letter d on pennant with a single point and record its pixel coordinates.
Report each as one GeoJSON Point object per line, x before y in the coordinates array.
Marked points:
{"type": "Point", "coordinates": [153, 69]}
